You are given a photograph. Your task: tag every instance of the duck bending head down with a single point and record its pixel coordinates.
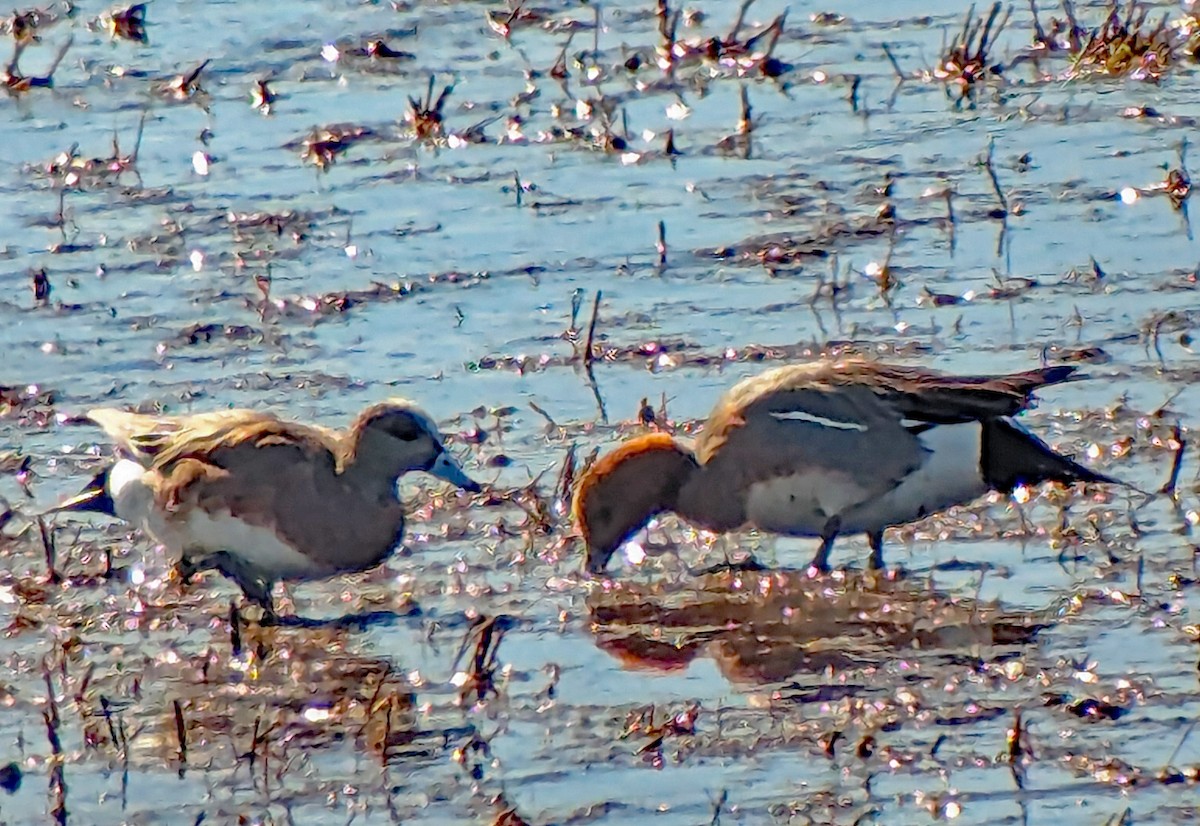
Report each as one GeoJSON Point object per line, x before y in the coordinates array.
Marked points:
{"type": "Point", "coordinates": [825, 449]}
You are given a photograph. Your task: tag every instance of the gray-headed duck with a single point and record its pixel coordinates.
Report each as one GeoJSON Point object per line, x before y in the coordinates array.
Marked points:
{"type": "Point", "coordinates": [262, 499]}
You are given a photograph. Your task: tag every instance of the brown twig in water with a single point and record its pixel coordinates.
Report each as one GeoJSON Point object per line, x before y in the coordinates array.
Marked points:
{"type": "Point", "coordinates": [107, 714]}
{"type": "Point", "coordinates": [745, 121]}
{"type": "Point", "coordinates": [488, 633]}
{"type": "Point", "coordinates": [669, 145]}
{"type": "Point", "coordinates": [773, 30]}
{"type": "Point", "coordinates": [1018, 746]}
{"type": "Point", "coordinates": [668, 25]}
{"type": "Point", "coordinates": [252, 755]}
{"type": "Point", "coordinates": [966, 63]}
{"type": "Point", "coordinates": [900, 76]}
{"type": "Point", "coordinates": [566, 477]}
{"type": "Point", "coordinates": [185, 85]}
{"type": "Point", "coordinates": [718, 805]}
{"type": "Point", "coordinates": [17, 82]}
{"type": "Point", "coordinates": [661, 246]}
{"type": "Point", "coordinates": [745, 124]}
{"type": "Point", "coordinates": [553, 425]}
{"type": "Point", "coordinates": [1179, 747]}
{"type": "Point", "coordinates": [58, 782]}
{"type": "Point", "coordinates": [510, 817]}
{"type": "Point", "coordinates": [60, 217]}
{"type": "Point", "coordinates": [596, 29]}
{"type": "Point", "coordinates": [989, 165]}
{"type": "Point", "coordinates": [588, 354]}
{"type": "Point", "coordinates": [50, 550]}
{"type": "Point", "coordinates": [180, 734]}
{"type": "Point", "coordinates": [559, 70]}
{"type": "Point", "coordinates": [738, 21]}
{"type": "Point", "coordinates": [1169, 487]}
{"type": "Point", "coordinates": [1039, 34]}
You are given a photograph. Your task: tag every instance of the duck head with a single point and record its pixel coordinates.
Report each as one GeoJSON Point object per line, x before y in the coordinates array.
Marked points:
{"type": "Point", "coordinates": [400, 436]}
{"type": "Point", "coordinates": [621, 491]}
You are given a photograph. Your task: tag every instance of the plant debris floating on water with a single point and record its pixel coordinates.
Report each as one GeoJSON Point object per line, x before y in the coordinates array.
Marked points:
{"type": "Point", "coordinates": [968, 60]}
{"type": "Point", "coordinates": [186, 86]}
{"type": "Point", "coordinates": [323, 146]}
{"type": "Point", "coordinates": [127, 23]}
{"type": "Point", "coordinates": [426, 116]}
{"type": "Point", "coordinates": [17, 82]}
{"type": "Point", "coordinates": [1124, 45]}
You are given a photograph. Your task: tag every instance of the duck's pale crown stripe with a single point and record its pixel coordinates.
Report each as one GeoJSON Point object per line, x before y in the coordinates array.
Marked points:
{"type": "Point", "coordinates": [802, 416]}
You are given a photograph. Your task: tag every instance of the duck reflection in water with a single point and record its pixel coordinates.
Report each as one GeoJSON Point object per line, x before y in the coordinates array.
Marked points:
{"type": "Point", "coordinates": [783, 626]}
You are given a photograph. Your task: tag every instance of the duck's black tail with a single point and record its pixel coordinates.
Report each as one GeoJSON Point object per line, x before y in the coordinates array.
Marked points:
{"type": "Point", "coordinates": [1030, 380]}
{"type": "Point", "coordinates": [92, 499]}
{"type": "Point", "coordinates": [1013, 456]}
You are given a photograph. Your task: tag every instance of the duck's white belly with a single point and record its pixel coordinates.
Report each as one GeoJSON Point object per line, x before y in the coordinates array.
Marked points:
{"type": "Point", "coordinates": [949, 476]}
{"type": "Point", "coordinates": [195, 533]}
{"type": "Point", "coordinates": [802, 503]}
{"type": "Point", "coordinates": [198, 533]}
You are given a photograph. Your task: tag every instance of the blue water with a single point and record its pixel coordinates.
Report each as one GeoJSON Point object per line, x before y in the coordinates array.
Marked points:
{"type": "Point", "coordinates": [492, 283]}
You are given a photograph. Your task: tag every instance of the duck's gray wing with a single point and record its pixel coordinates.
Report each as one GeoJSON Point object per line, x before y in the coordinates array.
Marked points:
{"type": "Point", "coordinates": [284, 479]}
{"type": "Point", "coordinates": [929, 396]}
{"type": "Point", "coordinates": [857, 423]}
{"type": "Point", "coordinates": [827, 450]}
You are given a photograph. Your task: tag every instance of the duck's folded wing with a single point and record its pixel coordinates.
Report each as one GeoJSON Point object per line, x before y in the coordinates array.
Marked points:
{"type": "Point", "coordinates": [285, 482]}
{"type": "Point", "coordinates": [144, 436]}
{"type": "Point", "coordinates": [849, 432]}
{"type": "Point", "coordinates": [859, 427]}
{"type": "Point", "coordinates": [926, 396]}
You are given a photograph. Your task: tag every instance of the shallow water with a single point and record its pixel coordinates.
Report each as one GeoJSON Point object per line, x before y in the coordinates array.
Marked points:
{"type": "Point", "coordinates": [409, 268]}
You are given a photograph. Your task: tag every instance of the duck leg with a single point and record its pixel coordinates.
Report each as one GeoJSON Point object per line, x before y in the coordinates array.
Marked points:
{"type": "Point", "coordinates": [187, 568]}
{"type": "Point", "coordinates": [254, 585]}
{"type": "Point", "coordinates": [820, 562]}
{"type": "Point", "coordinates": [875, 539]}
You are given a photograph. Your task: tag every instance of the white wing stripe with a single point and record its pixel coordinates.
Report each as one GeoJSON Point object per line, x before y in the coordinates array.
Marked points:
{"type": "Point", "coordinates": [801, 416]}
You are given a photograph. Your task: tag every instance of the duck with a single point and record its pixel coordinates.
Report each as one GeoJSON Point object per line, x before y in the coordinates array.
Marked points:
{"type": "Point", "coordinates": [262, 499]}
{"type": "Point", "coordinates": [824, 449]}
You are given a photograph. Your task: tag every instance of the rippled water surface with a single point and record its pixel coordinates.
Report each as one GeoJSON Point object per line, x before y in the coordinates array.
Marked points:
{"type": "Point", "coordinates": [1033, 663]}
